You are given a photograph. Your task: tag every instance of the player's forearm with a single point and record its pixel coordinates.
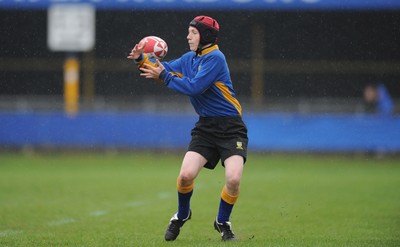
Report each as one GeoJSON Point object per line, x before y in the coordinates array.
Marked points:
{"type": "Point", "coordinates": [144, 59]}
{"type": "Point", "coordinates": [190, 87]}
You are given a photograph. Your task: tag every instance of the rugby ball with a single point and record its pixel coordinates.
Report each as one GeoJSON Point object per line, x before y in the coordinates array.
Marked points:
{"type": "Point", "coordinates": [156, 47]}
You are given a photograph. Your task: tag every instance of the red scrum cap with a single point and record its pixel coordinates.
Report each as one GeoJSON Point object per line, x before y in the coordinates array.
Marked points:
{"type": "Point", "coordinates": [207, 27]}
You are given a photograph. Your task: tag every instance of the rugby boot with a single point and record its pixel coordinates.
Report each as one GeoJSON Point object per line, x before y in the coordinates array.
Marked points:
{"type": "Point", "coordinates": [174, 227]}
{"type": "Point", "coordinates": [225, 229]}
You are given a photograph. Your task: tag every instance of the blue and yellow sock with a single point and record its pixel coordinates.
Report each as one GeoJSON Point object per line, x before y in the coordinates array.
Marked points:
{"type": "Point", "coordinates": [226, 205]}
{"type": "Point", "coordinates": [184, 195]}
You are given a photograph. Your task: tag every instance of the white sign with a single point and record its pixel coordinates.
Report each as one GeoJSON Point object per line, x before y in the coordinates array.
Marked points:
{"type": "Point", "coordinates": [71, 27]}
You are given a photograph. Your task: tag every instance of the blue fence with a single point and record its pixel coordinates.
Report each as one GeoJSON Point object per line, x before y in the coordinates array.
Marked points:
{"type": "Point", "coordinates": [212, 4]}
{"type": "Point", "coordinates": [137, 130]}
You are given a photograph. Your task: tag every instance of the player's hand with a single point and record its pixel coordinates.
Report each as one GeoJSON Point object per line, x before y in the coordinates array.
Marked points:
{"type": "Point", "coordinates": [151, 72]}
{"type": "Point", "coordinates": [137, 50]}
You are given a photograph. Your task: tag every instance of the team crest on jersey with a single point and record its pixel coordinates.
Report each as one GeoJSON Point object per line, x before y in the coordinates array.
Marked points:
{"type": "Point", "coordinates": [239, 145]}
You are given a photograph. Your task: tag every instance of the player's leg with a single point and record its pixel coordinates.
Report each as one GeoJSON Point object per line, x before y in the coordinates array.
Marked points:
{"type": "Point", "coordinates": [233, 174]}
{"type": "Point", "coordinates": [230, 192]}
{"type": "Point", "coordinates": [191, 166]}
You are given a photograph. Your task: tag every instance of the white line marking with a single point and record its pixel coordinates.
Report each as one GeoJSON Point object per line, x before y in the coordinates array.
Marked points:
{"type": "Point", "coordinates": [164, 195]}
{"type": "Point", "coordinates": [98, 213]}
{"type": "Point", "coordinates": [135, 203]}
{"type": "Point", "coordinates": [9, 232]}
{"type": "Point", "coordinates": [62, 222]}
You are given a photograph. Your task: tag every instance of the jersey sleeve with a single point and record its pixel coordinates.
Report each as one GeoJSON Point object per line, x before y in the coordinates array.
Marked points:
{"type": "Point", "coordinates": [206, 75]}
{"type": "Point", "coordinates": [173, 67]}
{"type": "Point", "coordinates": [144, 59]}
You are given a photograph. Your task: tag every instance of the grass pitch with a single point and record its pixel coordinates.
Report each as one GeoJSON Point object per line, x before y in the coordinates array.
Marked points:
{"type": "Point", "coordinates": [128, 199]}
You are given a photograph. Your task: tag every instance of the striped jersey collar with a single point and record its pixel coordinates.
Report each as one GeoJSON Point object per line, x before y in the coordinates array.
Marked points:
{"type": "Point", "coordinates": [208, 50]}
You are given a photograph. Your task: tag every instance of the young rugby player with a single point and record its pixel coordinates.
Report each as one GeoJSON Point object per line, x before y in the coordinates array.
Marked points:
{"type": "Point", "coordinates": [220, 134]}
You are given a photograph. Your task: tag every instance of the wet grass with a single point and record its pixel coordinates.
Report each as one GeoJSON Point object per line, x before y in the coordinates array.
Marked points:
{"type": "Point", "coordinates": [126, 199]}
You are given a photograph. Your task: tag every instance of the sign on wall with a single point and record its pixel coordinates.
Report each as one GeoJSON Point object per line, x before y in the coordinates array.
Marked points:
{"type": "Point", "coordinates": [71, 27]}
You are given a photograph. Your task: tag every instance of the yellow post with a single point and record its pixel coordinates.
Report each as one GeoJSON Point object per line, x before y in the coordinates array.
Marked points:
{"type": "Point", "coordinates": [71, 86]}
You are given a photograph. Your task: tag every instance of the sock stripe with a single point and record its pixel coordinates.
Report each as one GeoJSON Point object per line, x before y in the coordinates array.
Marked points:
{"type": "Point", "coordinates": [227, 197]}
{"type": "Point", "coordinates": [184, 189]}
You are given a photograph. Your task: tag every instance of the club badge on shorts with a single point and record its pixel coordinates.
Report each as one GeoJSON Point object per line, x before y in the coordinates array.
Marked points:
{"type": "Point", "coordinates": [239, 145]}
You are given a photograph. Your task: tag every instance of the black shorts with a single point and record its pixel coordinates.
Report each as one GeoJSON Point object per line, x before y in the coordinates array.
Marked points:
{"type": "Point", "coordinates": [218, 138]}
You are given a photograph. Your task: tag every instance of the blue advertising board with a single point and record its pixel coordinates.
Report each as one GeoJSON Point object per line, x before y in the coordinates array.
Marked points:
{"type": "Point", "coordinates": [212, 4]}
{"type": "Point", "coordinates": [141, 130]}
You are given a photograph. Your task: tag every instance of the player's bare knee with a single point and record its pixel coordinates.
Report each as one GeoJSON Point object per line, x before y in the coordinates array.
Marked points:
{"type": "Point", "coordinates": [185, 178]}
{"type": "Point", "coordinates": [233, 183]}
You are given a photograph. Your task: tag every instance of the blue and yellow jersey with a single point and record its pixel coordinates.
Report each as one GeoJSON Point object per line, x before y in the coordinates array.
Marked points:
{"type": "Point", "coordinates": [204, 78]}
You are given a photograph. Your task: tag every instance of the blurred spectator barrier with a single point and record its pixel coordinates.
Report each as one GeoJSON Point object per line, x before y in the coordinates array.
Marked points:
{"type": "Point", "coordinates": [139, 130]}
